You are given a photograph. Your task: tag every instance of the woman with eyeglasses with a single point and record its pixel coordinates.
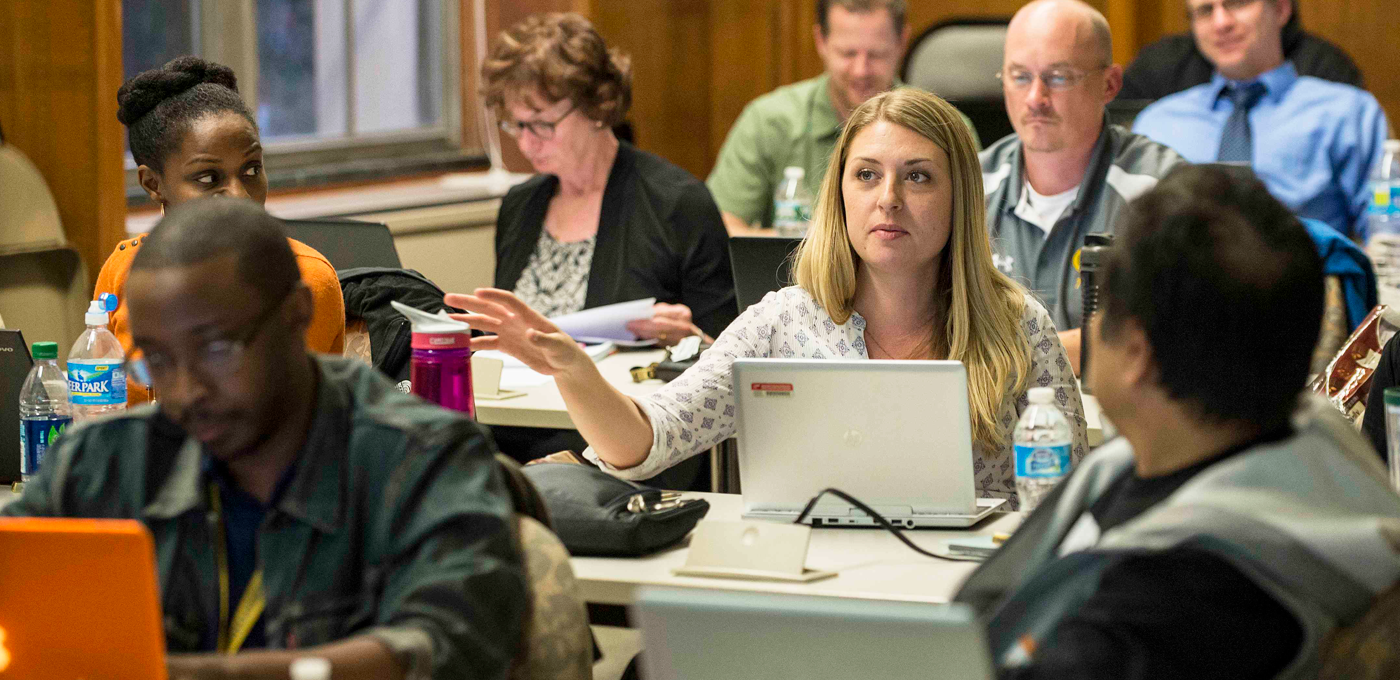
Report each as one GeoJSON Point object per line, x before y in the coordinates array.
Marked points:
{"type": "Point", "coordinates": [602, 222]}
{"type": "Point", "coordinates": [192, 136]}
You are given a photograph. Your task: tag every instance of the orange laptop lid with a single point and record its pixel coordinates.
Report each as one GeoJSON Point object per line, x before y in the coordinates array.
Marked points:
{"type": "Point", "coordinates": [79, 600]}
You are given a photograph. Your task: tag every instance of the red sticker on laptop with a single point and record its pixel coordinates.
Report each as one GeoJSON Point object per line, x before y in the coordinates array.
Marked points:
{"type": "Point", "coordinates": [771, 389]}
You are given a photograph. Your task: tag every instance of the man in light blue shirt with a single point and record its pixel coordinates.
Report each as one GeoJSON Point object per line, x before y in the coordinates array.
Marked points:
{"type": "Point", "coordinates": [1312, 142]}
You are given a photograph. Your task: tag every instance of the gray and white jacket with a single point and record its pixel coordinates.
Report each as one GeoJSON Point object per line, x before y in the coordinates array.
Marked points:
{"type": "Point", "coordinates": [1123, 167]}
{"type": "Point", "coordinates": [1310, 519]}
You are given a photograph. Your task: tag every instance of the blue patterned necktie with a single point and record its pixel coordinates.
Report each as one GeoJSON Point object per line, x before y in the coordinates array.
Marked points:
{"type": "Point", "coordinates": [1236, 145]}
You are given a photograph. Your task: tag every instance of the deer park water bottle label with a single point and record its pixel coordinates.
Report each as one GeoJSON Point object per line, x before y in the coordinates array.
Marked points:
{"type": "Point", "coordinates": [1050, 462]}
{"type": "Point", "coordinates": [36, 435]}
{"type": "Point", "coordinates": [96, 382]}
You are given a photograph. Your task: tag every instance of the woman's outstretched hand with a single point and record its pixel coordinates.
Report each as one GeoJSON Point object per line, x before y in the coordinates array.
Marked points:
{"type": "Point", "coordinates": [519, 331]}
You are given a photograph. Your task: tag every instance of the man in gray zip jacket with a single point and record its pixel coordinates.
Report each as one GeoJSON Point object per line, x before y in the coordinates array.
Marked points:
{"type": "Point", "coordinates": [1066, 172]}
{"type": "Point", "coordinates": [1234, 525]}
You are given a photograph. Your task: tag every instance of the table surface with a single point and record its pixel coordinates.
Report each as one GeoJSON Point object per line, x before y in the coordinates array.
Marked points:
{"type": "Point", "coordinates": [871, 563]}
{"type": "Point", "coordinates": [541, 405]}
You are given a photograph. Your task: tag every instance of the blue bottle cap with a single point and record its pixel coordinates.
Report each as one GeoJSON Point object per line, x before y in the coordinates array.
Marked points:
{"type": "Point", "coordinates": [109, 302]}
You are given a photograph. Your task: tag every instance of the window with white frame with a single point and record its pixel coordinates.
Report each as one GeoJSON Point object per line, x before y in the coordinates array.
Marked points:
{"type": "Point", "coordinates": [329, 81]}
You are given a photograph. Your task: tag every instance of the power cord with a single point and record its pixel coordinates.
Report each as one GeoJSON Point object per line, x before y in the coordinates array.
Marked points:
{"type": "Point", "coordinates": [879, 519]}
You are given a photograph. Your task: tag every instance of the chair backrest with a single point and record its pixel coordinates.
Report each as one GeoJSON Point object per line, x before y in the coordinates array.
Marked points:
{"type": "Point", "coordinates": [1366, 649]}
{"type": "Point", "coordinates": [347, 244]}
{"type": "Point", "coordinates": [558, 641]}
{"type": "Point", "coordinates": [44, 287]}
{"type": "Point", "coordinates": [976, 47]}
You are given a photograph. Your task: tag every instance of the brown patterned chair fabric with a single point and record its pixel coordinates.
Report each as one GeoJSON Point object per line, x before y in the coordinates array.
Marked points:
{"type": "Point", "coordinates": [559, 643]}
{"type": "Point", "coordinates": [1368, 649]}
{"type": "Point", "coordinates": [1335, 328]}
{"type": "Point", "coordinates": [357, 341]}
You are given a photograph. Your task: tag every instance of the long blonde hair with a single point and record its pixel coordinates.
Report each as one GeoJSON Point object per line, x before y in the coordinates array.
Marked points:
{"type": "Point", "coordinates": [981, 306]}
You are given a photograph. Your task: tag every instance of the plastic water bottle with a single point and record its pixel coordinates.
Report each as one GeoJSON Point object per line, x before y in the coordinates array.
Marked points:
{"type": "Point", "coordinates": [96, 365]}
{"type": "Point", "coordinates": [1043, 442]}
{"type": "Point", "coordinates": [1383, 217]}
{"type": "Point", "coordinates": [43, 409]}
{"type": "Point", "coordinates": [792, 204]}
{"type": "Point", "coordinates": [440, 369]}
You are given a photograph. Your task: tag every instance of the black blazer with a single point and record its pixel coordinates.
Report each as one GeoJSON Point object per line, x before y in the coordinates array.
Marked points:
{"type": "Point", "coordinates": [659, 235]}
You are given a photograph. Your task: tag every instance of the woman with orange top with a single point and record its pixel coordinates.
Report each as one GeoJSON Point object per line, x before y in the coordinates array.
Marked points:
{"type": "Point", "coordinates": [191, 136]}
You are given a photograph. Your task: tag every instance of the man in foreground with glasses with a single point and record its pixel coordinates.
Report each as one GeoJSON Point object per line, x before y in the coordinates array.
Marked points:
{"type": "Point", "coordinates": [1066, 172]}
{"type": "Point", "coordinates": [1313, 142]}
{"type": "Point", "coordinates": [298, 502]}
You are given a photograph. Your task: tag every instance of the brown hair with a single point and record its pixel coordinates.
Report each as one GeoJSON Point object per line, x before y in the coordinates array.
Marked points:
{"type": "Point", "coordinates": [982, 307]}
{"type": "Point", "coordinates": [559, 56]}
{"type": "Point", "coordinates": [896, 7]}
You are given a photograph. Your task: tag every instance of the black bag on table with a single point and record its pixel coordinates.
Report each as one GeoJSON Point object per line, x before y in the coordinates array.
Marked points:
{"type": "Point", "coordinates": [595, 513]}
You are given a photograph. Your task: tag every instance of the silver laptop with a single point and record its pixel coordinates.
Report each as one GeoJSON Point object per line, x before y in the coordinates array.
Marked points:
{"type": "Point", "coordinates": [896, 435]}
{"type": "Point", "coordinates": [699, 634]}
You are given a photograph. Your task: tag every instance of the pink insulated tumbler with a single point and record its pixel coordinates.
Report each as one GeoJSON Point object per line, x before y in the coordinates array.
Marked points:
{"type": "Point", "coordinates": [441, 367]}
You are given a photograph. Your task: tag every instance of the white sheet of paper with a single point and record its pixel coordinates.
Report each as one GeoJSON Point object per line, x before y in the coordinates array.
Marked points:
{"type": "Point", "coordinates": [608, 322]}
{"type": "Point", "coordinates": [594, 352]}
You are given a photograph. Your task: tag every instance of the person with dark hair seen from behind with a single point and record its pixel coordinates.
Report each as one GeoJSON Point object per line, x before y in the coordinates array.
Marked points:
{"type": "Point", "coordinates": [1211, 540]}
{"type": "Point", "coordinates": [191, 135]}
{"type": "Point", "coordinates": [356, 523]}
{"type": "Point", "coordinates": [1313, 142]}
{"type": "Point", "coordinates": [1175, 63]}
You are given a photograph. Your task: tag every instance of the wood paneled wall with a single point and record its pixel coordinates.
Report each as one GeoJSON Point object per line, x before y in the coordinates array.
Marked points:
{"type": "Point", "coordinates": [60, 67]}
{"type": "Point", "coordinates": [696, 63]}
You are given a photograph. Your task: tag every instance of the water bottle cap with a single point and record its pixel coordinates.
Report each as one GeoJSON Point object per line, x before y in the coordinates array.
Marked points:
{"type": "Point", "coordinates": [435, 331]}
{"type": "Point", "coordinates": [45, 350]}
{"type": "Point", "coordinates": [793, 171]}
{"type": "Point", "coordinates": [96, 314]}
{"type": "Point", "coordinates": [1041, 395]}
{"type": "Point", "coordinates": [311, 668]}
{"type": "Point", "coordinates": [1392, 146]}
{"type": "Point", "coordinates": [1392, 395]}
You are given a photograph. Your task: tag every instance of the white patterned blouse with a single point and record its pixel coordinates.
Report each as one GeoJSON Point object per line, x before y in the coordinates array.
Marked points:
{"type": "Point", "coordinates": [696, 410]}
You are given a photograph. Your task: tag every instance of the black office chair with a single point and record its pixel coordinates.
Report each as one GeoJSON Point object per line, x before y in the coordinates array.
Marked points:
{"type": "Point", "coordinates": [975, 46]}
{"type": "Point", "coordinates": [761, 265]}
{"type": "Point", "coordinates": [346, 243]}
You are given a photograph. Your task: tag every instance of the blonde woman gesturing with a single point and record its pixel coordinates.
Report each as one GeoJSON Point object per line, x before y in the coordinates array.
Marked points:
{"type": "Point", "coordinates": [897, 265]}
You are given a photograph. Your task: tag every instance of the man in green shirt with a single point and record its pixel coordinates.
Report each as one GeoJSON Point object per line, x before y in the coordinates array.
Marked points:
{"type": "Point", "coordinates": [860, 43]}
{"type": "Point", "coordinates": [300, 505]}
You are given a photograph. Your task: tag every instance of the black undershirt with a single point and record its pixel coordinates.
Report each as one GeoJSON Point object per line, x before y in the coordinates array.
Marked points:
{"type": "Point", "coordinates": [1182, 613]}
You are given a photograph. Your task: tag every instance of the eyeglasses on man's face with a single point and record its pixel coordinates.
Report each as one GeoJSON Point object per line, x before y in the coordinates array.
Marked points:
{"type": "Point", "coordinates": [1205, 11]}
{"type": "Point", "coordinates": [214, 358]}
{"type": "Point", "coordinates": [1062, 78]}
{"type": "Point", "coordinates": [541, 129]}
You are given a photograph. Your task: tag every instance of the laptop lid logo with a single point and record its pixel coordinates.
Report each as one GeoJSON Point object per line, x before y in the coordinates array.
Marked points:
{"type": "Point", "coordinates": [771, 389]}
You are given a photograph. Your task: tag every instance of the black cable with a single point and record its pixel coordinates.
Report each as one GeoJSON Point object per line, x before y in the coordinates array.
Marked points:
{"type": "Point", "coordinates": [879, 519]}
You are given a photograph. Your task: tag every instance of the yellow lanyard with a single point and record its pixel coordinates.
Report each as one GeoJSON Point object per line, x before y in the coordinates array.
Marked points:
{"type": "Point", "coordinates": [233, 633]}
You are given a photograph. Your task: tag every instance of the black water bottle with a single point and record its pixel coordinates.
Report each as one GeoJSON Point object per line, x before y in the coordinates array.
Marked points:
{"type": "Point", "coordinates": [1091, 260]}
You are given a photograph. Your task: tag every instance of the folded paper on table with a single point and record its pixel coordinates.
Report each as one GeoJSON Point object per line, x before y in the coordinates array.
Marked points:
{"type": "Point", "coordinates": [515, 375]}
{"type": "Point", "coordinates": [608, 322]}
{"type": "Point", "coordinates": [595, 352]}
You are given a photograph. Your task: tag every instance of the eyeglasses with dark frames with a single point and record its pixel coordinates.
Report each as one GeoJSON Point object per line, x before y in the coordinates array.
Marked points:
{"type": "Point", "coordinates": [541, 129]}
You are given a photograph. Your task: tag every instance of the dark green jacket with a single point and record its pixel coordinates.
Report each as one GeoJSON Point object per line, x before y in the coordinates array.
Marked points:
{"type": "Point", "coordinates": [396, 524]}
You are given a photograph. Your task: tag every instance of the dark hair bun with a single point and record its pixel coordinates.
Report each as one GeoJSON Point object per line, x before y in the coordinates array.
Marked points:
{"type": "Point", "coordinates": [148, 89]}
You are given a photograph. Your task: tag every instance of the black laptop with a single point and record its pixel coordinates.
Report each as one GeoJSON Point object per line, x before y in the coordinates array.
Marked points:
{"type": "Point", "coordinates": [14, 368]}
{"type": "Point", "coordinates": [762, 264]}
